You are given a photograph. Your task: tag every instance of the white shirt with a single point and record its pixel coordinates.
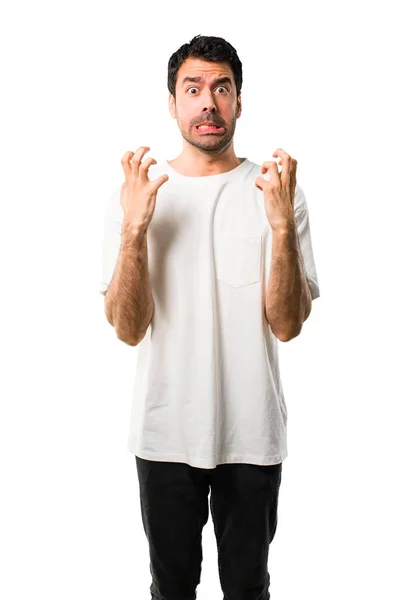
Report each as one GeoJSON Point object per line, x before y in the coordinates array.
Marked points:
{"type": "Point", "coordinates": [207, 387]}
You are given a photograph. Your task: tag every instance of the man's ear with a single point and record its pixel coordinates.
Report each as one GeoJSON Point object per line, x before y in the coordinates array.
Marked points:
{"type": "Point", "coordinates": [239, 106]}
{"type": "Point", "coordinates": [171, 105]}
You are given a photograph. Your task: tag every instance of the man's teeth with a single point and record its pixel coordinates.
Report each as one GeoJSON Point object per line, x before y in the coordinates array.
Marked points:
{"type": "Point", "coordinates": [208, 127]}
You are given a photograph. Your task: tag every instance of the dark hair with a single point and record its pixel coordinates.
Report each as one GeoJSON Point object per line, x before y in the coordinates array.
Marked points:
{"type": "Point", "coordinates": [209, 48]}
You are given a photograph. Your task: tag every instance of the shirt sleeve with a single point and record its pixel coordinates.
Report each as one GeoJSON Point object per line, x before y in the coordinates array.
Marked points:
{"type": "Point", "coordinates": [302, 219]}
{"type": "Point", "coordinates": [112, 233]}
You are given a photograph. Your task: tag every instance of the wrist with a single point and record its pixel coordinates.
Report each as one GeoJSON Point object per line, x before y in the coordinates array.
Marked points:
{"type": "Point", "coordinates": [285, 228]}
{"type": "Point", "coordinates": [132, 233]}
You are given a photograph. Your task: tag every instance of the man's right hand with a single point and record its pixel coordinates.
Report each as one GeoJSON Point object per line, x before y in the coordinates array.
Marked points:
{"type": "Point", "coordinates": [138, 193]}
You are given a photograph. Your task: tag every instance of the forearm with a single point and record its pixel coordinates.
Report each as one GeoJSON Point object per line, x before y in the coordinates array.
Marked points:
{"type": "Point", "coordinates": [129, 301]}
{"type": "Point", "coordinates": [288, 301]}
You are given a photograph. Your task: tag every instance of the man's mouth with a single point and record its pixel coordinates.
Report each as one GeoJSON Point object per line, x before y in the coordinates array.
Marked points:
{"type": "Point", "coordinates": [209, 128]}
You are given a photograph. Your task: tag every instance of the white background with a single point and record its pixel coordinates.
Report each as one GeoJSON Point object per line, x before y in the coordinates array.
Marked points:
{"type": "Point", "coordinates": [83, 82]}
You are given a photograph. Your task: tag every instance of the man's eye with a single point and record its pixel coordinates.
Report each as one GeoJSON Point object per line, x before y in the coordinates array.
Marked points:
{"type": "Point", "coordinates": [220, 86]}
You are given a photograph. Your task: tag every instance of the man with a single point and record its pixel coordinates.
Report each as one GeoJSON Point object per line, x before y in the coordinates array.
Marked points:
{"type": "Point", "coordinates": [207, 265]}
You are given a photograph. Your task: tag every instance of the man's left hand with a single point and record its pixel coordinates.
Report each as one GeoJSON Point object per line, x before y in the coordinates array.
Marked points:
{"type": "Point", "coordinates": [279, 190]}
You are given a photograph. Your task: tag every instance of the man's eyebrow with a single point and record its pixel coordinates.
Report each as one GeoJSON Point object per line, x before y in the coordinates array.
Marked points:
{"type": "Point", "coordinates": [200, 80]}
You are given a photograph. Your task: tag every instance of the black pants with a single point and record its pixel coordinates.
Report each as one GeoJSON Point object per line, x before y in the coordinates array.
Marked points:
{"type": "Point", "coordinates": [174, 506]}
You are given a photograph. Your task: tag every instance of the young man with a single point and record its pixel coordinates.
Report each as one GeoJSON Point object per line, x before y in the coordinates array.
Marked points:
{"type": "Point", "coordinates": [207, 265]}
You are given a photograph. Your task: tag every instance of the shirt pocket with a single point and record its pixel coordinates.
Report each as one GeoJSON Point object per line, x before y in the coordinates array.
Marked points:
{"type": "Point", "coordinates": [238, 259]}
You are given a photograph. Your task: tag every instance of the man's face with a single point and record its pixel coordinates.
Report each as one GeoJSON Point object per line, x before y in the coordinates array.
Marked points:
{"type": "Point", "coordinates": [206, 99]}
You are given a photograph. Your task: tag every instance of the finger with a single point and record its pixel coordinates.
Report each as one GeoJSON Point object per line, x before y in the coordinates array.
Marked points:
{"type": "Point", "coordinates": [136, 160]}
{"type": "Point", "coordinates": [285, 158]}
{"type": "Point", "coordinates": [125, 162]}
{"type": "Point", "coordinates": [159, 181]}
{"type": "Point", "coordinates": [270, 165]}
{"type": "Point", "coordinates": [144, 169]}
{"type": "Point", "coordinates": [281, 153]}
{"type": "Point", "coordinates": [293, 170]}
